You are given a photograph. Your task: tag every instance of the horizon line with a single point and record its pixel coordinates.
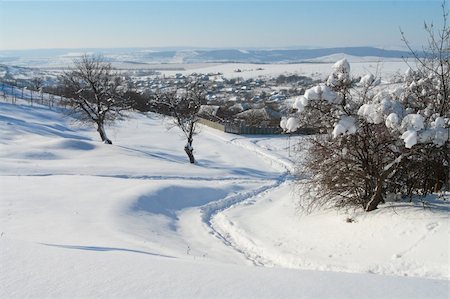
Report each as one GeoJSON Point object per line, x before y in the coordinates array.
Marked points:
{"type": "Point", "coordinates": [168, 48]}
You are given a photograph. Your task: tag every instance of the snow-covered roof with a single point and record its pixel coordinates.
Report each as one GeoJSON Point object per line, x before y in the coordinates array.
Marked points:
{"type": "Point", "coordinates": [208, 110]}
{"type": "Point", "coordinates": [263, 113]}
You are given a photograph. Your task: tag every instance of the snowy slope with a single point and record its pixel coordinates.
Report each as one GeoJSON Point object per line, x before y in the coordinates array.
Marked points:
{"type": "Point", "coordinates": [398, 239]}
{"type": "Point", "coordinates": [82, 219]}
{"type": "Point", "coordinates": [99, 272]}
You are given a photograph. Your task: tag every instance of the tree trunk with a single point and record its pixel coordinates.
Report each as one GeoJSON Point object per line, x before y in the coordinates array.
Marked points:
{"type": "Point", "coordinates": [190, 152]}
{"type": "Point", "coordinates": [188, 148]}
{"type": "Point", "coordinates": [377, 197]}
{"type": "Point", "coordinates": [101, 131]}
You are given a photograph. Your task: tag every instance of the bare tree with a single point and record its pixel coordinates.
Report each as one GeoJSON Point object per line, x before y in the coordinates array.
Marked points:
{"type": "Point", "coordinates": [434, 64]}
{"type": "Point", "coordinates": [37, 83]}
{"type": "Point", "coordinates": [95, 92]}
{"type": "Point", "coordinates": [183, 105]}
{"type": "Point", "coordinates": [429, 93]}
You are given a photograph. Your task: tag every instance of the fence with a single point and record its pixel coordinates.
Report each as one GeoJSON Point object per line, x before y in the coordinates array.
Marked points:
{"type": "Point", "coordinates": [11, 93]}
{"type": "Point", "coordinates": [247, 130]}
{"type": "Point", "coordinates": [212, 124]}
{"type": "Point", "coordinates": [240, 129]}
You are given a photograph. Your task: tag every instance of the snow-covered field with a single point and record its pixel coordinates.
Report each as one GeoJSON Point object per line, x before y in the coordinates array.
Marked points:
{"type": "Point", "coordinates": [316, 70]}
{"type": "Point", "coordinates": [79, 218]}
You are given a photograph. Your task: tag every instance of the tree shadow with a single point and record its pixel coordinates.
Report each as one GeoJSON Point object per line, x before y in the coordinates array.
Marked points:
{"type": "Point", "coordinates": [433, 203]}
{"type": "Point", "coordinates": [41, 129]}
{"type": "Point", "coordinates": [180, 159]}
{"type": "Point", "coordinates": [97, 248]}
{"type": "Point", "coordinates": [241, 171]}
{"type": "Point", "coordinates": [169, 200]}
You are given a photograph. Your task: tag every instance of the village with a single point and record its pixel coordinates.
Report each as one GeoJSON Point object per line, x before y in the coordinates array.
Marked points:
{"type": "Point", "coordinates": [254, 102]}
{"type": "Point", "coordinates": [247, 106]}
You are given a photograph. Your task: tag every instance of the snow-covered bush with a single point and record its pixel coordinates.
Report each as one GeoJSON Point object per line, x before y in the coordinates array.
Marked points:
{"type": "Point", "coordinates": [380, 139]}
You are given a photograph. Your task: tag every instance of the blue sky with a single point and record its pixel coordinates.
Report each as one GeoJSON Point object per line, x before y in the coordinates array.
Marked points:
{"type": "Point", "coordinates": [216, 24]}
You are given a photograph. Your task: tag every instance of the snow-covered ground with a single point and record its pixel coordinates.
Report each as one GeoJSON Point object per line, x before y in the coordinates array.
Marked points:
{"type": "Point", "coordinates": [317, 70]}
{"type": "Point", "coordinates": [79, 218]}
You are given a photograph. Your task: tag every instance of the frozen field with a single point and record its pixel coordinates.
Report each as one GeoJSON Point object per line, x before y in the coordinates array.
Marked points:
{"type": "Point", "coordinates": [79, 218]}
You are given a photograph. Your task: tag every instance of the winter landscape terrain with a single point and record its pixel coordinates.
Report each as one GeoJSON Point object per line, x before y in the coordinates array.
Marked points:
{"type": "Point", "coordinates": [316, 63]}
{"type": "Point", "coordinates": [224, 149]}
{"type": "Point", "coordinates": [144, 57]}
{"type": "Point", "coordinates": [84, 219]}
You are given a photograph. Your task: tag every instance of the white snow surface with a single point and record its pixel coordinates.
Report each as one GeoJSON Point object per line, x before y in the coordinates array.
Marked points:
{"type": "Point", "coordinates": [292, 124]}
{"type": "Point", "coordinates": [320, 70]}
{"type": "Point", "coordinates": [367, 80]}
{"type": "Point", "coordinates": [410, 138]}
{"type": "Point", "coordinates": [82, 219]}
{"type": "Point", "coordinates": [345, 126]}
{"type": "Point", "coordinates": [392, 121]}
{"type": "Point", "coordinates": [319, 92]}
{"type": "Point", "coordinates": [300, 103]}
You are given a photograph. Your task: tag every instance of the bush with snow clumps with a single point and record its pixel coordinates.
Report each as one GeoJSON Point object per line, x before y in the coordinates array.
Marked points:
{"type": "Point", "coordinates": [371, 135]}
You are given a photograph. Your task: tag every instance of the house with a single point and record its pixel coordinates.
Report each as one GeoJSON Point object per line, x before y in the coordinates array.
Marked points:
{"type": "Point", "coordinates": [259, 117]}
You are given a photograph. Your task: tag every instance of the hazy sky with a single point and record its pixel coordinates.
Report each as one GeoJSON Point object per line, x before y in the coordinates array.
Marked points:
{"type": "Point", "coordinates": [101, 24]}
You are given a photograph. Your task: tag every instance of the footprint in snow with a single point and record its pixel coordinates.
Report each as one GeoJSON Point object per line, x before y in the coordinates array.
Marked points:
{"type": "Point", "coordinates": [432, 225]}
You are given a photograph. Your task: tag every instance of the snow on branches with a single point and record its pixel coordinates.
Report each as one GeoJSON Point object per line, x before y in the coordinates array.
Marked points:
{"type": "Point", "coordinates": [371, 134]}
{"type": "Point", "coordinates": [400, 108]}
{"type": "Point", "coordinates": [378, 138]}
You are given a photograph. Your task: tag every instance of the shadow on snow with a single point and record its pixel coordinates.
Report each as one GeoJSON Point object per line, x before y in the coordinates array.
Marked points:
{"type": "Point", "coordinates": [97, 248]}
{"type": "Point", "coordinates": [168, 201]}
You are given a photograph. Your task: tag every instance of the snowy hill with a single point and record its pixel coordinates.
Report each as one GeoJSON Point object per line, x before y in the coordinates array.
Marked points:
{"type": "Point", "coordinates": [79, 218]}
{"type": "Point", "coordinates": [290, 56]}
{"type": "Point", "coordinates": [63, 57]}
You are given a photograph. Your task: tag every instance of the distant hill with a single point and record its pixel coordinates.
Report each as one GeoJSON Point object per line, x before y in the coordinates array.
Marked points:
{"type": "Point", "coordinates": [139, 55]}
{"type": "Point", "coordinates": [289, 56]}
